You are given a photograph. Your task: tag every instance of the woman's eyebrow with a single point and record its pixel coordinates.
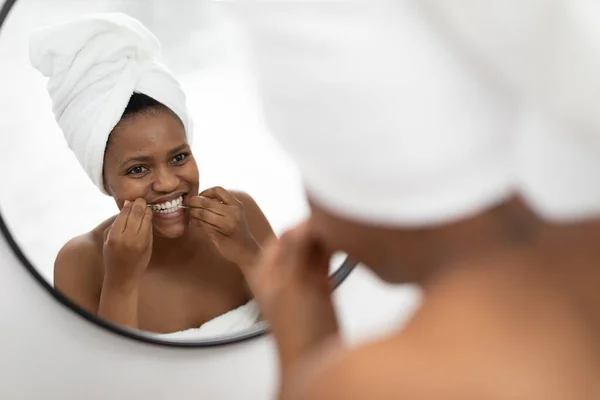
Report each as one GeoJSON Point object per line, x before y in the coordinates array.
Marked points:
{"type": "Point", "coordinates": [178, 148]}
{"type": "Point", "coordinates": [148, 158]}
{"type": "Point", "coordinates": [137, 159]}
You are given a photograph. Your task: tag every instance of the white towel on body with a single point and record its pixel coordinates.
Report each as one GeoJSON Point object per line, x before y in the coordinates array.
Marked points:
{"type": "Point", "coordinates": [232, 322]}
{"type": "Point", "coordinates": [94, 65]}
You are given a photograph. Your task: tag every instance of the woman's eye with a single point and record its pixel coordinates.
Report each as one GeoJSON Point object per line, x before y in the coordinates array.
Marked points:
{"type": "Point", "coordinates": [180, 157]}
{"type": "Point", "coordinates": [136, 170]}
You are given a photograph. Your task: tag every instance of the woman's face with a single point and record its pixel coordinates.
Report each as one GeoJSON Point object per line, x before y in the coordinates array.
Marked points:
{"type": "Point", "coordinates": [148, 157]}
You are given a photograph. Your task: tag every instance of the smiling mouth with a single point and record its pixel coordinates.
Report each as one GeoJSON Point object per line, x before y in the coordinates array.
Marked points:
{"type": "Point", "coordinates": [168, 206]}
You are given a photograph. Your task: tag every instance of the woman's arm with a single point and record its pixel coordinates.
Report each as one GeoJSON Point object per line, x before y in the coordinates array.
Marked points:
{"type": "Point", "coordinates": [119, 304]}
{"type": "Point", "coordinates": [79, 274]}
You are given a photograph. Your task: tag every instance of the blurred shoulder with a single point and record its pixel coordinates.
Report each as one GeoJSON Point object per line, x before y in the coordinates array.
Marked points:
{"type": "Point", "coordinates": [459, 344]}
{"type": "Point", "coordinates": [375, 370]}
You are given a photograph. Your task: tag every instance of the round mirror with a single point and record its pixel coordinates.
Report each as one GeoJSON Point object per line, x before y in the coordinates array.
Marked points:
{"type": "Point", "coordinates": [208, 205]}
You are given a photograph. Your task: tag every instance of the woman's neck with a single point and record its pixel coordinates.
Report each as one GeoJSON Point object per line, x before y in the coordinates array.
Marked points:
{"type": "Point", "coordinates": [176, 250]}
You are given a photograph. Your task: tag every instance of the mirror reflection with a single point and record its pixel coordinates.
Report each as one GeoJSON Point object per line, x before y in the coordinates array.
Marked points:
{"type": "Point", "coordinates": [170, 245]}
{"type": "Point", "coordinates": [140, 184]}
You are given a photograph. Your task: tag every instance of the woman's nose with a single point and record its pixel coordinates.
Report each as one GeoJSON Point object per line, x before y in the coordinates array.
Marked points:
{"type": "Point", "coordinates": [165, 181]}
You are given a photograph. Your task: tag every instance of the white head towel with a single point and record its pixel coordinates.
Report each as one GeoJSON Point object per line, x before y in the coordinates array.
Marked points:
{"type": "Point", "coordinates": [395, 118]}
{"type": "Point", "coordinates": [95, 64]}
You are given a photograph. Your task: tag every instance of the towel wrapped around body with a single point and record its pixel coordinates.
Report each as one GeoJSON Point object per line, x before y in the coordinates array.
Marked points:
{"type": "Point", "coordinates": [230, 323]}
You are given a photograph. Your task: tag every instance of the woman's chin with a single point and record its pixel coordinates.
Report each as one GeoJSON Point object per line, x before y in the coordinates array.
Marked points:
{"type": "Point", "coordinates": [170, 232]}
{"type": "Point", "coordinates": [170, 225]}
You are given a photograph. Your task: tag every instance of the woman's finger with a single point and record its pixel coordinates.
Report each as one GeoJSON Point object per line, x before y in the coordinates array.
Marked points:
{"type": "Point", "coordinates": [207, 226]}
{"type": "Point", "coordinates": [146, 225]}
{"type": "Point", "coordinates": [212, 205]}
{"type": "Point", "coordinates": [308, 249]}
{"type": "Point", "coordinates": [307, 253]}
{"type": "Point", "coordinates": [106, 233]}
{"type": "Point", "coordinates": [272, 252]}
{"type": "Point", "coordinates": [120, 223]}
{"type": "Point", "coordinates": [217, 222]}
{"type": "Point", "coordinates": [208, 216]}
{"type": "Point", "coordinates": [219, 193]}
{"type": "Point", "coordinates": [136, 216]}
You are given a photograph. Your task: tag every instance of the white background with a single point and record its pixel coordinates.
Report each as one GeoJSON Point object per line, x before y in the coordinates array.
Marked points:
{"type": "Point", "coordinates": [48, 352]}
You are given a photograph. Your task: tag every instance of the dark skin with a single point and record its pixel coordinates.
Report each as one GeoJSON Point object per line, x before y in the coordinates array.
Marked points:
{"type": "Point", "coordinates": [510, 311]}
{"type": "Point", "coordinates": [162, 272]}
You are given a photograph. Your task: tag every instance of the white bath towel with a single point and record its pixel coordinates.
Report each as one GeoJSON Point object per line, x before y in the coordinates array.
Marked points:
{"type": "Point", "coordinates": [413, 113]}
{"type": "Point", "coordinates": [94, 65]}
{"type": "Point", "coordinates": [232, 322]}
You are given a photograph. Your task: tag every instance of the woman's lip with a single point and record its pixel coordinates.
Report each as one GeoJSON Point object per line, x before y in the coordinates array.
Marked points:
{"type": "Point", "coordinates": [168, 216]}
{"type": "Point", "coordinates": [155, 203]}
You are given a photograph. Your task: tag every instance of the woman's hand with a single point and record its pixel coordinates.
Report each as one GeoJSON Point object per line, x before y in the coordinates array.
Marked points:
{"type": "Point", "coordinates": [221, 215]}
{"type": "Point", "coordinates": [128, 245]}
{"type": "Point", "coordinates": [290, 281]}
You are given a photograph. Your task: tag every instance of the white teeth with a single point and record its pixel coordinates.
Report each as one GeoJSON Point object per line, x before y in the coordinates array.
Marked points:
{"type": "Point", "coordinates": [169, 206]}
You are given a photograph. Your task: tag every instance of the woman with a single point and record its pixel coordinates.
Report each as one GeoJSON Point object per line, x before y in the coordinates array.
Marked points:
{"type": "Point", "coordinates": [417, 163]}
{"type": "Point", "coordinates": [169, 260]}
{"type": "Point", "coordinates": [155, 266]}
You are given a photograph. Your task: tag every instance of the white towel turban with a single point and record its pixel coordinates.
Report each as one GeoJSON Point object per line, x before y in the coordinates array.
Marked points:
{"type": "Point", "coordinates": [416, 113]}
{"type": "Point", "coordinates": [94, 65]}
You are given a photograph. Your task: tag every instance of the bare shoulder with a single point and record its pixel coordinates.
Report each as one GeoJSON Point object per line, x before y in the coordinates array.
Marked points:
{"type": "Point", "coordinates": [257, 221]}
{"type": "Point", "coordinates": [79, 270]}
{"type": "Point", "coordinates": [245, 198]}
